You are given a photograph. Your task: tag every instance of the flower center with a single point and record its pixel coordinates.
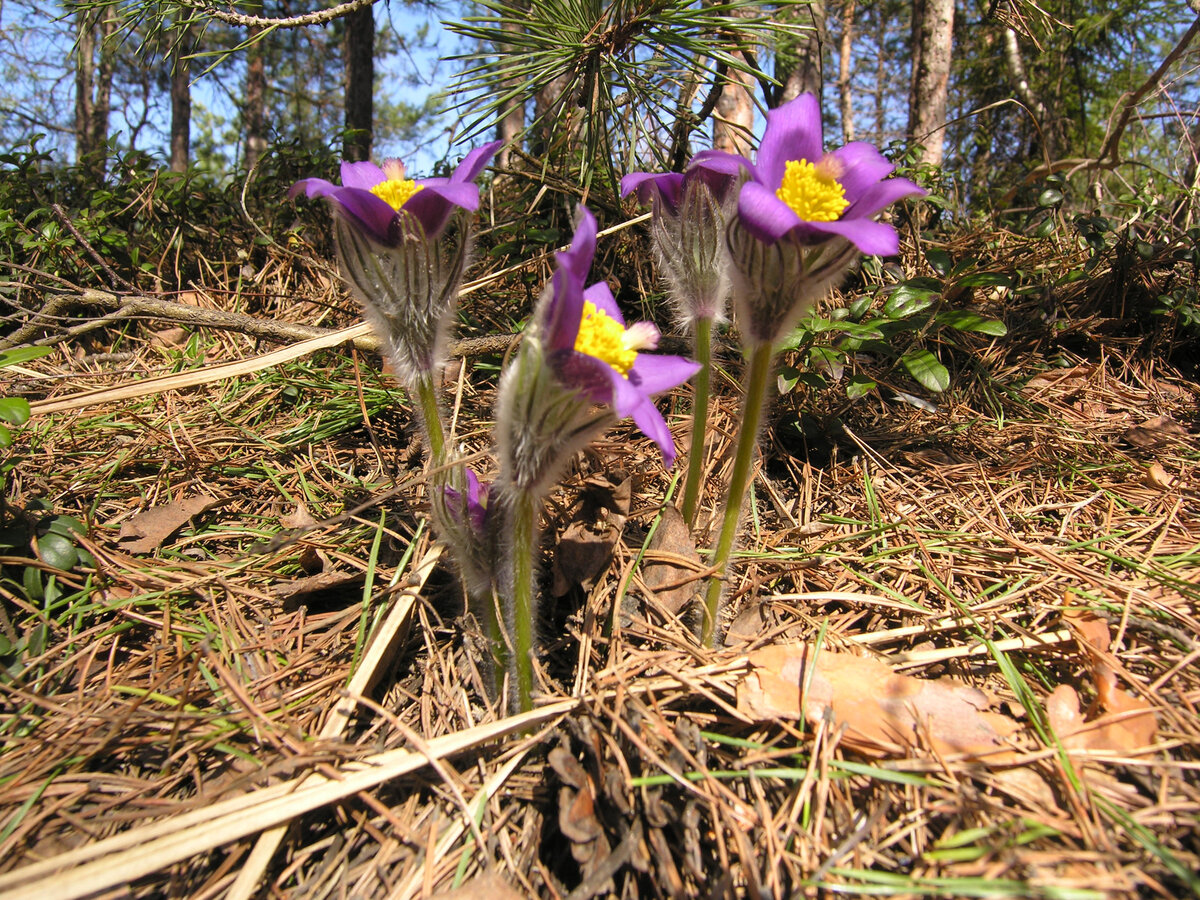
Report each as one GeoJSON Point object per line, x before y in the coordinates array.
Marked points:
{"type": "Point", "coordinates": [396, 191]}
{"type": "Point", "coordinates": [812, 192]}
{"type": "Point", "coordinates": [603, 337]}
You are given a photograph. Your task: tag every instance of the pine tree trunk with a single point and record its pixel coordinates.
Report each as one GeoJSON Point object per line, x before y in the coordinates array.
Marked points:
{"type": "Point", "coordinates": [254, 106]}
{"type": "Point", "coordinates": [360, 83]}
{"type": "Point", "coordinates": [932, 40]}
{"type": "Point", "coordinates": [845, 94]}
{"type": "Point", "coordinates": [799, 64]}
{"type": "Point", "coordinates": [510, 128]}
{"type": "Point", "coordinates": [181, 103]}
{"type": "Point", "coordinates": [734, 117]}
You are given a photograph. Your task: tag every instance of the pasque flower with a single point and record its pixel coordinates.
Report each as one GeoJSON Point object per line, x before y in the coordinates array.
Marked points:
{"type": "Point", "coordinates": [796, 190]}
{"type": "Point", "coordinates": [576, 354]}
{"type": "Point", "coordinates": [803, 216]}
{"type": "Point", "coordinates": [394, 253]}
{"type": "Point", "coordinates": [688, 229]}
{"type": "Point", "coordinates": [590, 349]}
{"type": "Point", "coordinates": [371, 197]}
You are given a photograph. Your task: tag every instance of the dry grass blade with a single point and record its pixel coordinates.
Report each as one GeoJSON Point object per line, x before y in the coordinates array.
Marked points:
{"type": "Point", "coordinates": [107, 864]}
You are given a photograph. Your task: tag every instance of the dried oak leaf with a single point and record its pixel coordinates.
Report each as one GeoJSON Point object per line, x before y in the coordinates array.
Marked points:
{"type": "Point", "coordinates": [146, 531]}
{"type": "Point", "coordinates": [1157, 432]}
{"type": "Point", "coordinates": [672, 566]}
{"type": "Point", "coordinates": [586, 546]}
{"type": "Point", "coordinates": [1118, 721]}
{"type": "Point", "coordinates": [879, 712]}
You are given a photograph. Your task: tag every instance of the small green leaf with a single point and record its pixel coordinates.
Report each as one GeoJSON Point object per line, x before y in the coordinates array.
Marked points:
{"type": "Point", "coordinates": [21, 354]}
{"type": "Point", "coordinates": [1045, 228]}
{"type": "Point", "coordinates": [859, 386]}
{"type": "Point", "coordinates": [787, 378]}
{"type": "Point", "coordinates": [925, 368]}
{"type": "Point", "coordinates": [14, 410]}
{"type": "Point", "coordinates": [57, 551]}
{"type": "Point", "coordinates": [831, 362]}
{"type": "Point", "coordinates": [912, 296]}
{"type": "Point", "coordinates": [985, 279]}
{"type": "Point", "coordinates": [939, 259]}
{"type": "Point", "coordinates": [859, 307]}
{"type": "Point", "coordinates": [5, 437]}
{"type": "Point", "coordinates": [969, 321]}
{"type": "Point", "coordinates": [1050, 197]}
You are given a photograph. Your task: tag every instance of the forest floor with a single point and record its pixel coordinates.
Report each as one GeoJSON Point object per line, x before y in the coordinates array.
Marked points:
{"type": "Point", "coordinates": [961, 658]}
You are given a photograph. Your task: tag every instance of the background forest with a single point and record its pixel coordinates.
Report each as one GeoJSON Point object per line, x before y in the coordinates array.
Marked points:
{"type": "Point", "coordinates": [233, 660]}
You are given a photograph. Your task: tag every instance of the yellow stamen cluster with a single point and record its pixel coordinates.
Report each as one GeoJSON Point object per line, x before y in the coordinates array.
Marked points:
{"type": "Point", "coordinates": [812, 192]}
{"type": "Point", "coordinates": [396, 191]}
{"type": "Point", "coordinates": [606, 339]}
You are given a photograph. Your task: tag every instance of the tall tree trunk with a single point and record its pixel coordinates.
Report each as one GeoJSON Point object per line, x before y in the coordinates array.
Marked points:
{"type": "Point", "coordinates": [360, 83]}
{"type": "Point", "coordinates": [845, 93]}
{"type": "Point", "coordinates": [254, 107]}
{"type": "Point", "coordinates": [799, 63]}
{"type": "Point", "coordinates": [85, 76]}
{"type": "Point", "coordinates": [93, 83]}
{"type": "Point", "coordinates": [181, 102]}
{"type": "Point", "coordinates": [510, 128]}
{"type": "Point", "coordinates": [932, 40]}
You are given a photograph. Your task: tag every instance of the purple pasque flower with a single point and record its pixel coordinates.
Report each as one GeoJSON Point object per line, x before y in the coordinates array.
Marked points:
{"type": "Point", "coordinates": [669, 188]}
{"type": "Point", "coordinates": [688, 235]}
{"type": "Point", "coordinates": [471, 504]}
{"type": "Point", "coordinates": [372, 197]}
{"type": "Point", "coordinates": [798, 191]}
{"type": "Point", "coordinates": [590, 348]}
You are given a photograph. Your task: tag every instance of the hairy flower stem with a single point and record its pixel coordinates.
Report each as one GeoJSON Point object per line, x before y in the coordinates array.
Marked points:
{"type": "Point", "coordinates": [701, 381]}
{"type": "Point", "coordinates": [758, 382]}
{"type": "Point", "coordinates": [432, 417]}
{"type": "Point", "coordinates": [523, 550]}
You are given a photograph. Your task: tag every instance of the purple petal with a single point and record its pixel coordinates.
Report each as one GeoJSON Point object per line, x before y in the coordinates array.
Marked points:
{"type": "Point", "coordinates": [578, 258]}
{"type": "Point", "coordinates": [362, 175]}
{"type": "Point", "coordinates": [763, 214]}
{"type": "Point", "coordinates": [564, 310]}
{"type": "Point", "coordinates": [475, 162]}
{"type": "Point", "coordinates": [793, 133]}
{"type": "Point", "coordinates": [860, 167]}
{"type": "Point", "coordinates": [719, 162]}
{"type": "Point", "coordinates": [665, 185]}
{"type": "Point", "coordinates": [881, 195]}
{"type": "Point", "coordinates": [629, 401]}
{"type": "Point", "coordinates": [437, 199]}
{"type": "Point", "coordinates": [873, 238]}
{"type": "Point", "coordinates": [371, 214]}
{"type": "Point", "coordinates": [653, 373]}
{"type": "Point", "coordinates": [312, 187]}
{"type": "Point", "coordinates": [600, 294]}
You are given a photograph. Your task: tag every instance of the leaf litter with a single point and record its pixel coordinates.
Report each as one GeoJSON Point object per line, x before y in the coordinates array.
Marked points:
{"type": "Point", "coordinates": [175, 677]}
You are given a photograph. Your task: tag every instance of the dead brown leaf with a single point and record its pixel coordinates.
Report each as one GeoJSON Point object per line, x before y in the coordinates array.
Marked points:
{"type": "Point", "coordinates": [670, 571]}
{"type": "Point", "coordinates": [880, 712]}
{"type": "Point", "coordinates": [299, 590]}
{"type": "Point", "coordinates": [490, 885]}
{"type": "Point", "coordinates": [586, 545]}
{"type": "Point", "coordinates": [146, 531]}
{"type": "Point", "coordinates": [577, 813]}
{"type": "Point", "coordinates": [1117, 721]}
{"type": "Point", "coordinates": [1157, 477]}
{"type": "Point", "coordinates": [1157, 432]}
